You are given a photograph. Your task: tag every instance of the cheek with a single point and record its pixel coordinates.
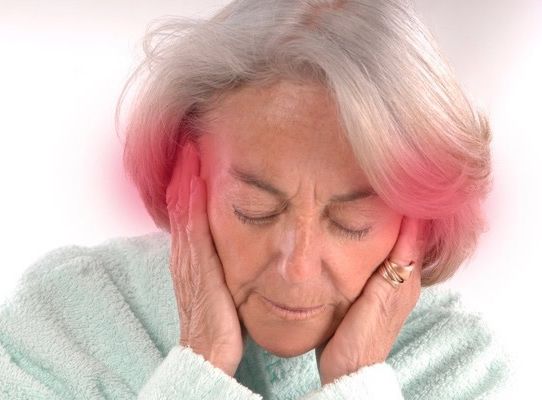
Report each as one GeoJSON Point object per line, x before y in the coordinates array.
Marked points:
{"type": "Point", "coordinates": [382, 243]}
{"type": "Point", "coordinates": [238, 260]}
{"type": "Point", "coordinates": [359, 261]}
{"type": "Point", "coordinates": [383, 240]}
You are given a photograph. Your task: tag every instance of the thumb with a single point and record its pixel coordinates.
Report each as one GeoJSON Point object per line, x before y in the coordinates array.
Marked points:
{"type": "Point", "coordinates": [319, 350]}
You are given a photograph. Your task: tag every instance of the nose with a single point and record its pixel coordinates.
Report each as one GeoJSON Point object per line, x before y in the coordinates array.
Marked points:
{"type": "Point", "coordinates": [300, 253]}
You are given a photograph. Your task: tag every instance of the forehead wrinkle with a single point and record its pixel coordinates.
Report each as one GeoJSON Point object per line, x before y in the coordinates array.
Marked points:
{"type": "Point", "coordinates": [253, 180]}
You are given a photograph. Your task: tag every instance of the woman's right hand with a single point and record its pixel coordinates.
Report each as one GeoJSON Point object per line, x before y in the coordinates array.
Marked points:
{"type": "Point", "coordinates": [207, 314]}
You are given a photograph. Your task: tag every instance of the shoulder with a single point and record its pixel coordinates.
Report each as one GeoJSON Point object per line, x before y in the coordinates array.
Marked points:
{"type": "Point", "coordinates": [446, 351]}
{"type": "Point", "coordinates": [124, 262]}
{"type": "Point", "coordinates": [79, 260]}
{"type": "Point", "coordinates": [121, 273]}
{"type": "Point", "coordinates": [108, 308]}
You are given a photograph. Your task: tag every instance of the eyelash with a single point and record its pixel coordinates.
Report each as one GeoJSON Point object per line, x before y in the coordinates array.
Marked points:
{"type": "Point", "coordinates": [358, 235]}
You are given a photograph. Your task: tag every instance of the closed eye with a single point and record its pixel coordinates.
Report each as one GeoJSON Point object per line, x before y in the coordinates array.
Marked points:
{"type": "Point", "coordinates": [352, 234]}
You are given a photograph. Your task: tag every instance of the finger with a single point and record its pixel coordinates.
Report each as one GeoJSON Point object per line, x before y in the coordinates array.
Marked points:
{"type": "Point", "coordinates": [180, 248]}
{"type": "Point", "coordinates": [178, 234]}
{"type": "Point", "coordinates": [202, 247]}
{"type": "Point", "coordinates": [190, 167]}
{"type": "Point", "coordinates": [405, 249]}
{"type": "Point", "coordinates": [422, 239]}
{"type": "Point", "coordinates": [172, 191]}
{"type": "Point", "coordinates": [404, 253]}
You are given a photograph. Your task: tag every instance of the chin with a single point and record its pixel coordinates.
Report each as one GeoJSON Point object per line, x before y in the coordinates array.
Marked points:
{"type": "Point", "coordinates": [287, 339]}
{"type": "Point", "coordinates": [285, 349]}
{"type": "Point", "coordinates": [281, 337]}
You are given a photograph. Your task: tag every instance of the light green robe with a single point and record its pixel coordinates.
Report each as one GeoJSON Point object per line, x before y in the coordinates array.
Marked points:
{"type": "Point", "coordinates": [100, 322]}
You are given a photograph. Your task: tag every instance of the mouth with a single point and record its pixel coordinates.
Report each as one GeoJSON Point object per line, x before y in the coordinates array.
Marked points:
{"type": "Point", "coordinates": [290, 313]}
{"type": "Point", "coordinates": [295, 309]}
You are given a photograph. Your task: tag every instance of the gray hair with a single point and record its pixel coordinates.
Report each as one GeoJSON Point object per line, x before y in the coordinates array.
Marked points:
{"type": "Point", "coordinates": [422, 145]}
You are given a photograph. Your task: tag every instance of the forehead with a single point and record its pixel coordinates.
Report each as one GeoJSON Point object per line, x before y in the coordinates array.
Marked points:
{"type": "Point", "coordinates": [254, 180]}
{"type": "Point", "coordinates": [287, 135]}
{"type": "Point", "coordinates": [276, 118]}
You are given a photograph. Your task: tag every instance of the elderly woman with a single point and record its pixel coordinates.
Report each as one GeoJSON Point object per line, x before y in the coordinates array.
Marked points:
{"type": "Point", "coordinates": [315, 171]}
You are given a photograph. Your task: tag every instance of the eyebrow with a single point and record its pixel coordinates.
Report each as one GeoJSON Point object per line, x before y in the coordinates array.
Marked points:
{"type": "Point", "coordinates": [254, 180]}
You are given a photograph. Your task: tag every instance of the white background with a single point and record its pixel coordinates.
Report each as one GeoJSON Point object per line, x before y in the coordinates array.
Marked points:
{"type": "Point", "coordinates": [63, 66]}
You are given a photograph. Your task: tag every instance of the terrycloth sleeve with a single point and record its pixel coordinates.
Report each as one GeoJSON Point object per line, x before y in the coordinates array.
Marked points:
{"type": "Point", "coordinates": [187, 375]}
{"type": "Point", "coordinates": [371, 382]}
{"type": "Point", "coordinates": [448, 351]}
{"type": "Point", "coordinates": [183, 374]}
{"type": "Point", "coordinates": [100, 324]}
{"type": "Point", "coordinates": [74, 329]}
{"type": "Point", "coordinates": [443, 352]}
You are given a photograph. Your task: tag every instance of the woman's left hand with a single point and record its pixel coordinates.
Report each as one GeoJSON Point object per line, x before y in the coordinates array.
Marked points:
{"type": "Point", "coordinates": [369, 329]}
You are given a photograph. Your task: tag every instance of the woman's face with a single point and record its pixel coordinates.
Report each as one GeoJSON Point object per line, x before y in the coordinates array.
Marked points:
{"type": "Point", "coordinates": [288, 136]}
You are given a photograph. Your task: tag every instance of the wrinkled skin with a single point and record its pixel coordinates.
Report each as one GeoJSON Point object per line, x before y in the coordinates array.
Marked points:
{"type": "Point", "coordinates": [289, 136]}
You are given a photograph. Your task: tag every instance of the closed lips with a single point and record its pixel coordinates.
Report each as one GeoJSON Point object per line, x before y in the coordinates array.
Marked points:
{"type": "Point", "coordinates": [300, 309]}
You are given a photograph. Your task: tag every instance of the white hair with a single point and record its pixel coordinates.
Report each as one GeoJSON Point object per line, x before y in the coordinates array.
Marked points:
{"type": "Point", "coordinates": [422, 145]}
